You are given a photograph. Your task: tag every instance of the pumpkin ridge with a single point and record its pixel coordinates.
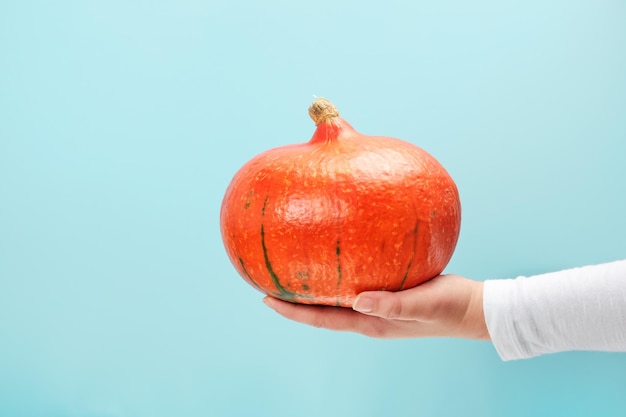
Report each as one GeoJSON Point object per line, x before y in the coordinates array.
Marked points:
{"type": "Point", "coordinates": [338, 253]}
{"type": "Point", "coordinates": [247, 274]}
{"type": "Point", "coordinates": [408, 268]}
{"type": "Point", "coordinates": [283, 292]}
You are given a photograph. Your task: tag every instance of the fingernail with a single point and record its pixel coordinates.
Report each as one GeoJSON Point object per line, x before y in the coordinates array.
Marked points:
{"type": "Point", "coordinates": [363, 304]}
{"type": "Point", "coordinates": [269, 302]}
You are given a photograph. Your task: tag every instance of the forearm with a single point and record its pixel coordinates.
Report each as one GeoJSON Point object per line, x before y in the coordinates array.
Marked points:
{"type": "Point", "coordinates": [577, 309]}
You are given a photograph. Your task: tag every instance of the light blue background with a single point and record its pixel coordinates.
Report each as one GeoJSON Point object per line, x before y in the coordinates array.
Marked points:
{"type": "Point", "coordinates": [121, 123]}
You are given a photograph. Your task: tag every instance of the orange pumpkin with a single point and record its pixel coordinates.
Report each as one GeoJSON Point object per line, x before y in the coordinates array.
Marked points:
{"type": "Point", "coordinates": [319, 222]}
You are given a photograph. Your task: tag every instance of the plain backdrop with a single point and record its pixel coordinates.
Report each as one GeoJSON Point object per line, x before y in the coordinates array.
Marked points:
{"type": "Point", "coordinates": [122, 122]}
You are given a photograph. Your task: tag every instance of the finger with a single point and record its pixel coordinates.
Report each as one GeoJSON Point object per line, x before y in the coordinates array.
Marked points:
{"type": "Point", "coordinates": [332, 318]}
{"type": "Point", "coordinates": [412, 304]}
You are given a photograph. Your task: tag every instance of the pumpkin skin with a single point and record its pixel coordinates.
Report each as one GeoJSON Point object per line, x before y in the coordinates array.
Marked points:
{"type": "Point", "coordinates": [320, 222]}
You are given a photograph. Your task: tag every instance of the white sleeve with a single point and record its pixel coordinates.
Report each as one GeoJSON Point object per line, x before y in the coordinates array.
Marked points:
{"type": "Point", "coordinates": [575, 309]}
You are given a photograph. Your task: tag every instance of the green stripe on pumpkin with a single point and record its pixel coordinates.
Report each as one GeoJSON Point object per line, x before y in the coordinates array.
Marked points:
{"type": "Point", "coordinates": [408, 268]}
{"type": "Point", "coordinates": [283, 292]}
{"type": "Point", "coordinates": [338, 253]}
{"type": "Point", "coordinates": [245, 271]}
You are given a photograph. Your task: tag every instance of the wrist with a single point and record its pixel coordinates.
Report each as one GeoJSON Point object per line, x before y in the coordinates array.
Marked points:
{"type": "Point", "coordinates": [474, 324]}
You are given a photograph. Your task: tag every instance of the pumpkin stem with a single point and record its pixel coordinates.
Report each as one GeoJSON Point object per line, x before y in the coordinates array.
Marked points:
{"type": "Point", "coordinates": [322, 110]}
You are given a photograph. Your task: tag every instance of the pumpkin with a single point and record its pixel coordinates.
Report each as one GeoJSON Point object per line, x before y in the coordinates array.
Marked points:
{"type": "Point", "coordinates": [321, 221]}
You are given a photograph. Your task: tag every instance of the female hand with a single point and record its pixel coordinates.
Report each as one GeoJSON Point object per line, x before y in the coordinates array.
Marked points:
{"type": "Point", "coordinates": [446, 306]}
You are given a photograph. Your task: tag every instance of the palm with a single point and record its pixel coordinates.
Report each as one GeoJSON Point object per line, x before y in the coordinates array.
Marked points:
{"type": "Point", "coordinates": [448, 305]}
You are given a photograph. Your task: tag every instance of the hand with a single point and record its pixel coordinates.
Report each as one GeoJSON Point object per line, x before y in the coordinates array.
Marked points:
{"type": "Point", "coordinates": [446, 306]}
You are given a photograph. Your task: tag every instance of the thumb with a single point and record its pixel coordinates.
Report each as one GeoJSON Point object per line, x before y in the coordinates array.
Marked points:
{"type": "Point", "coordinates": [403, 305]}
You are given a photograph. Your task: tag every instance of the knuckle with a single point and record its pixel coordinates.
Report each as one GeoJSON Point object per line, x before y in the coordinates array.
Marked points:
{"type": "Point", "coordinates": [394, 309]}
{"type": "Point", "coordinates": [318, 321]}
{"type": "Point", "coordinates": [376, 329]}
